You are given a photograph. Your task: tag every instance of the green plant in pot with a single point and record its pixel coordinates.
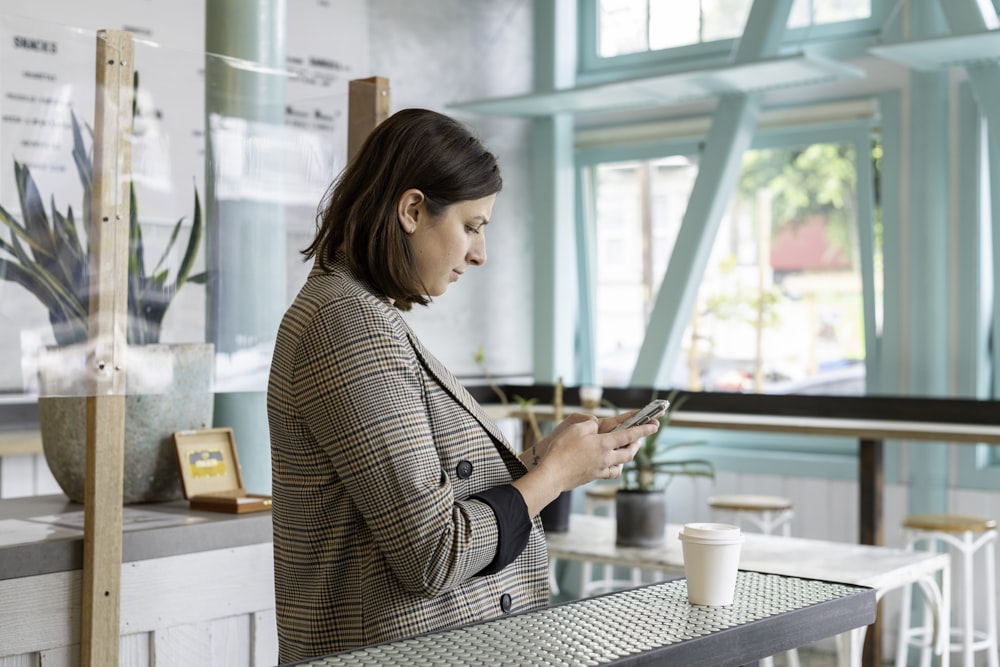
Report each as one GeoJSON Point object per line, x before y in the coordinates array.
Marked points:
{"type": "Point", "coordinates": [168, 387]}
{"type": "Point", "coordinates": [641, 502]}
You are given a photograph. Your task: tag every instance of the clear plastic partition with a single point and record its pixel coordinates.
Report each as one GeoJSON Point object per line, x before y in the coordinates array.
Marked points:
{"type": "Point", "coordinates": [150, 244]}
{"type": "Point", "coordinates": [224, 159]}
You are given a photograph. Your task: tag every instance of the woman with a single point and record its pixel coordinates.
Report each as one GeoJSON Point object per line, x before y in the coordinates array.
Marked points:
{"type": "Point", "coordinates": [399, 507]}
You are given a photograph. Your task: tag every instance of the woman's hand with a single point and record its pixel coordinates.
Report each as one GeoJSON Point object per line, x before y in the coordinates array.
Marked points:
{"type": "Point", "coordinates": [579, 450]}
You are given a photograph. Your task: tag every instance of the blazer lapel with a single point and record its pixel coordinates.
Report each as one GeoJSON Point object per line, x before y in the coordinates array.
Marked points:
{"type": "Point", "coordinates": [456, 390]}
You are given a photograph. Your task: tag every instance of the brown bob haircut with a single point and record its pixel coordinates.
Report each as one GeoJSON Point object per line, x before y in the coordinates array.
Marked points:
{"type": "Point", "coordinates": [413, 148]}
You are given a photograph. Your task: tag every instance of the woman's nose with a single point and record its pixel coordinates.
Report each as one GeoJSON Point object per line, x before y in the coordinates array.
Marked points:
{"type": "Point", "coordinates": [477, 253]}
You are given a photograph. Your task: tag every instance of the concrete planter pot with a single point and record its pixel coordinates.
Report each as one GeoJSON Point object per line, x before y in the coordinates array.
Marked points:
{"type": "Point", "coordinates": [640, 518]}
{"type": "Point", "coordinates": [169, 388]}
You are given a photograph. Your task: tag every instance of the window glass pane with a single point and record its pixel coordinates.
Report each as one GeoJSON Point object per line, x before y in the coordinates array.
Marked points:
{"type": "Point", "coordinates": [779, 308]}
{"type": "Point", "coordinates": [623, 27]}
{"type": "Point", "coordinates": [620, 296]}
{"type": "Point", "coordinates": [831, 11]}
{"type": "Point", "coordinates": [801, 14]}
{"type": "Point", "coordinates": [673, 24]}
{"type": "Point", "coordinates": [723, 19]}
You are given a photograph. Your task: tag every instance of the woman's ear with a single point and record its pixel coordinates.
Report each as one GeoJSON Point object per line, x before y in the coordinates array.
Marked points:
{"type": "Point", "coordinates": [409, 209]}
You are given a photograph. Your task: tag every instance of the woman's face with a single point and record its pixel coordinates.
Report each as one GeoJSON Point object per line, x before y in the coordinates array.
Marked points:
{"type": "Point", "coordinates": [445, 246]}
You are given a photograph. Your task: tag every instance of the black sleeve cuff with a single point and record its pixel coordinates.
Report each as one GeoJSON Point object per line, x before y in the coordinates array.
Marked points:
{"type": "Point", "coordinates": [513, 525]}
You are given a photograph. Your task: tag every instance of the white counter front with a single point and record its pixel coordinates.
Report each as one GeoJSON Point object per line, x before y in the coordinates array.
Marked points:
{"type": "Point", "coordinates": [197, 587]}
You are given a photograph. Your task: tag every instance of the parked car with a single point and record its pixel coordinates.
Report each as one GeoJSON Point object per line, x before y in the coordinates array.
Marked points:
{"type": "Point", "coordinates": [846, 380]}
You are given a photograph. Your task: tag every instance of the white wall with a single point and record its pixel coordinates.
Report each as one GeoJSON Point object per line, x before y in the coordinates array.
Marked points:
{"type": "Point", "coordinates": [448, 51]}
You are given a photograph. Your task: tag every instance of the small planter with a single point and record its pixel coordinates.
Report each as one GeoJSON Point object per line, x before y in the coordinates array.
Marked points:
{"type": "Point", "coordinates": [640, 517]}
{"type": "Point", "coordinates": [555, 515]}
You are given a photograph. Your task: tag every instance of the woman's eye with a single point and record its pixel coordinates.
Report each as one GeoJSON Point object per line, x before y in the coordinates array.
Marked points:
{"type": "Point", "coordinates": [473, 230]}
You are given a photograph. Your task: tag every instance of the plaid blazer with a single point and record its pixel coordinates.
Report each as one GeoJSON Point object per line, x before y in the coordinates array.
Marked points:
{"type": "Point", "coordinates": [376, 449]}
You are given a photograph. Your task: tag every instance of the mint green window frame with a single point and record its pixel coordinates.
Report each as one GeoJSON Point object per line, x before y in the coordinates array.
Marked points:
{"type": "Point", "coordinates": [841, 39]}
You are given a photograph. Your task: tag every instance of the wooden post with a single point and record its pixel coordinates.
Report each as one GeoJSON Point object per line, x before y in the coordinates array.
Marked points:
{"type": "Point", "coordinates": [367, 106]}
{"type": "Point", "coordinates": [109, 249]}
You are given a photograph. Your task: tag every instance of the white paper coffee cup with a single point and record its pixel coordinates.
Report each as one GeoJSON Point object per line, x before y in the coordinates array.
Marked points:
{"type": "Point", "coordinates": [711, 560]}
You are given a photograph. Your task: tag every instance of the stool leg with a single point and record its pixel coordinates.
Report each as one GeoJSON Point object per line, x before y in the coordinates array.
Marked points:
{"type": "Point", "coordinates": [903, 638]}
{"type": "Point", "coordinates": [850, 646]}
{"type": "Point", "coordinates": [968, 627]}
{"type": "Point", "coordinates": [927, 647]}
{"type": "Point", "coordinates": [945, 623]}
{"type": "Point", "coordinates": [991, 602]}
{"type": "Point", "coordinates": [766, 522]}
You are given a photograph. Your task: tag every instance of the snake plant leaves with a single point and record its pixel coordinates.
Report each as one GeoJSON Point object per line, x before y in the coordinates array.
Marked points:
{"type": "Point", "coordinates": [47, 255]}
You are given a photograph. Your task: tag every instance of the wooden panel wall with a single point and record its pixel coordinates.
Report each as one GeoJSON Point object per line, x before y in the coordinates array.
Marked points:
{"type": "Point", "coordinates": [212, 607]}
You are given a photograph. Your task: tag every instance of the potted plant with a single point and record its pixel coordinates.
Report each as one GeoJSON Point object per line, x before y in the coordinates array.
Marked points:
{"type": "Point", "coordinates": [50, 257]}
{"type": "Point", "coordinates": [640, 503]}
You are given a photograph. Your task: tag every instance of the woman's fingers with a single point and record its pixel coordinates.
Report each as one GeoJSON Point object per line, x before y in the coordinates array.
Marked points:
{"type": "Point", "coordinates": [629, 435]}
{"type": "Point", "coordinates": [610, 423]}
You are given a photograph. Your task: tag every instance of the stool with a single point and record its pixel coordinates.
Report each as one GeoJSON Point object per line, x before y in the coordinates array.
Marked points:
{"type": "Point", "coordinates": [600, 499]}
{"type": "Point", "coordinates": [969, 535]}
{"type": "Point", "coordinates": [767, 513]}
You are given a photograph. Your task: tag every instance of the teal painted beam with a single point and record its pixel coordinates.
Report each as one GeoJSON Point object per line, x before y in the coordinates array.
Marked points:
{"type": "Point", "coordinates": [994, 185]}
{"type": "Point", "coordinates": [586, 249]}
{"type": "Point", "coordinates": [866, 252]}
{"type": "Point", "coordinates": [970, 16]}
{"type": "Point", "coordinates": [554, 61]}
{"type": "Point", "coordinates": [892, 342]}
{"type": "Point", "coordinates": [729, 135]}
{"type": "Point", "coordinates": [976, 283]}
{"type": "Point", "coordinates": [554, 265]}
{"type": "Point", "coordinates": [927, 268]}
{"type": "Point", "coordinates": [764, 29]}
{"type": "Point", "coordinates": [555, 282]}
{"type": "Point", "coordinates": [927, 240]}
{"type": "Point", "coordinates": [245, 236]}
{"type": "Point", "coordinates": [974, 290]}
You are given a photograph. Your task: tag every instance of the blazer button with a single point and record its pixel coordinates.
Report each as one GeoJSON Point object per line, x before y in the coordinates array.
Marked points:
{"type": "Point", "coordinates": [464, 470]}
{"type": "Point", "coordinates": [505, 603]}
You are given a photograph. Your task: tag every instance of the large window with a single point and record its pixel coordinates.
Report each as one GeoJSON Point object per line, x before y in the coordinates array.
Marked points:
{"type": "Point", "coordinates": [631, 26]}
{"type": "Point", "coordinates": [779, 307]}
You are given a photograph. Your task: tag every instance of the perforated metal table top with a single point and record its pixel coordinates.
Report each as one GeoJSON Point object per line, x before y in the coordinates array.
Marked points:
{"type": "Point", "coordinates": [650, 625]}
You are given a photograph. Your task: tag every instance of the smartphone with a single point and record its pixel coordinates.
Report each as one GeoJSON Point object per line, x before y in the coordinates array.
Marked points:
{"type": "Point", "coordinates": [651, 411]}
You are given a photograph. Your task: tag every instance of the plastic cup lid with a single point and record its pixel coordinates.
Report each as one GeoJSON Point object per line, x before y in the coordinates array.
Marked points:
{"type": "Point", "coordinates": [722, 532]}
